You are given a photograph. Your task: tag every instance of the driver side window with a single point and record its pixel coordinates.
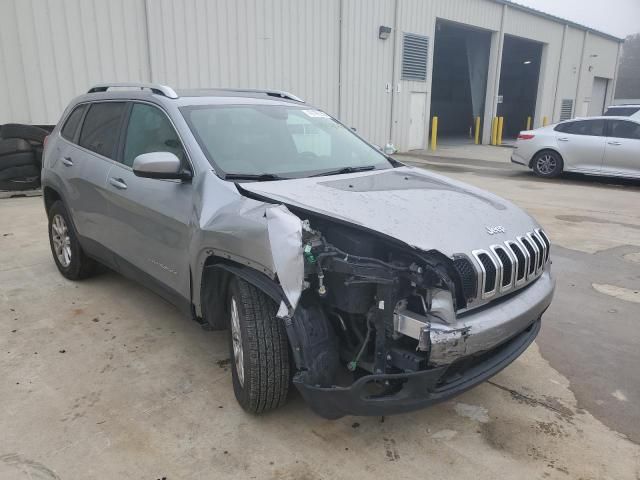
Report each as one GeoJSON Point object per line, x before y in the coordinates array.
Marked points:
{"type": "Point", "coordinates": [149, 130]}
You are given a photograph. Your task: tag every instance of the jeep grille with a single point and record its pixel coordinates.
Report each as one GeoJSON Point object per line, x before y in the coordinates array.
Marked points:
{"type": "Point", "coordinates": [506, 267]}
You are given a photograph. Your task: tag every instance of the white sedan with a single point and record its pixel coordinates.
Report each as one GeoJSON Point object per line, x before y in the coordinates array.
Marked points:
{"type": "Point", "coordinates": [597, 146]}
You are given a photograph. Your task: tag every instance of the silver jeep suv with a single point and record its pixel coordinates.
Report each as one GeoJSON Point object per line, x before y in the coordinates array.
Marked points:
{"type": "Point", "coordinates": [373, 287]}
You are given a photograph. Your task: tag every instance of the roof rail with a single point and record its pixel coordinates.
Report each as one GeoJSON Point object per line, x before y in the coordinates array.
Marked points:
{"type": "Point", "coordinates": [271, 93]}
{"type": "Point", "coordinates": [154, 87]}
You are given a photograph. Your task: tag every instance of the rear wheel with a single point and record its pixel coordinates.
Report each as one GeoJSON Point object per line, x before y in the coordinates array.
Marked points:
{"type": "Point", "coordinates": [258, 347]}
{"type": "Point", "coordinates": [67, 252]}
{"type": "Point", "coordinates": [547, 164]}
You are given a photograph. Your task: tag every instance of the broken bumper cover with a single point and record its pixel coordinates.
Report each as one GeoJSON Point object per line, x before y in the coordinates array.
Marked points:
{"type": "Point", "coordinates": [497, 336]}
{"type": "Point", "coordinates": [420, 389]}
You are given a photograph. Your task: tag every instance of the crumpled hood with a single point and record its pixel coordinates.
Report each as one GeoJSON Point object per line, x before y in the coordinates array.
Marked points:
{"type": "Point", "coordinates": [422, 209]}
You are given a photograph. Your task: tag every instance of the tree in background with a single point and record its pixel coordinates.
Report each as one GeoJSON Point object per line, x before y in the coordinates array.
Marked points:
{"type": "Point", "coordinates": [628, 85]}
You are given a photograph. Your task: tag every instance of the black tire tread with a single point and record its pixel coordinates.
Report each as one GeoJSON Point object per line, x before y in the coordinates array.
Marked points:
{"type": "Point", "coordinates": [27, 132]}
{"type": "Point", "coordinates": [13, 145]}
{"type": "Point", "coordinates": [17, 159]}
{"type": "Point", "coordinates": [267, 372]}
{"type": "Point", "coordinates": [19, 173]}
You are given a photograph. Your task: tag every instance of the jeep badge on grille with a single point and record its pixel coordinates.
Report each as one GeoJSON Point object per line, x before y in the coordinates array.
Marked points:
{"type": "Point", "coordinates": [494, 230]}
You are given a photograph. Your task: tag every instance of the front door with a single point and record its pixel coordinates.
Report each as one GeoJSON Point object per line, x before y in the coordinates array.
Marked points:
{"type": "Point", "coordinates": [622, 152]}
{"type": "Point", "coordinates": [581, 144]}
{"type": "Point", "coordinates": [417, 120]}
{"type": "Point", "coordinates": [150, 218]}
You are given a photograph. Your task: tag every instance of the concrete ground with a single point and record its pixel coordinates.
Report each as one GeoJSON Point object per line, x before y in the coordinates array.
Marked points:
{"type": "Point", "coordinates": [102, 379]}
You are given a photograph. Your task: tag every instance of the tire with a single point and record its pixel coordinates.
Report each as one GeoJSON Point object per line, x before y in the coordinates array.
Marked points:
{"type": "Point", "coordinates": [37, 155]}
{"type": "Point", "coordinates": [261, 377]}
{"type": "Point", "coordinates": [23, 172]}
{"type": "Point", "coordinates": [13, 145]}
{"type": "Point", "coordinates": [19, 185]}
{"type": "Point", "coordinates": [19, 159]}
{"type": "Point", "coordinates": [27, 132]}
{"type": "Point", "coordinates": [547, 164]}
{"type": "Point", "coordinates": [79, 266]}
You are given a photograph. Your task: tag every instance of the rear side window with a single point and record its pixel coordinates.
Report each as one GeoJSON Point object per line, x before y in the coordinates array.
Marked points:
{"type": "Point", "coordinates": [624, 129]}
{"type": "Point", "coordinates": [101, 128]}
{"type": "Point", "coordinates": [562, 127]}
{"type": "Point", "coordinates": [584, 127]}
{"type": "Point", "coordinates": [149, 130]}
{"type": "Point", "coordinates": [71, 125]}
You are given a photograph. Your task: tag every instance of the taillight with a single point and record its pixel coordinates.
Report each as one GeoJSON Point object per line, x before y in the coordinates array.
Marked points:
{"type": "Point", "coordinates": [525, 136]}
{"type": "Point", "coordinates": [44, 143]}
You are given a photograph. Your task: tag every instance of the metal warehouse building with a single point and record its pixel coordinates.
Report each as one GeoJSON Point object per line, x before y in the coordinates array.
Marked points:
{"type": "Point", "coordinates": [384, 67]}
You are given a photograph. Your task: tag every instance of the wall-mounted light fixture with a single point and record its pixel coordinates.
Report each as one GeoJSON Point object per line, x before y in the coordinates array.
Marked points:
{"type": "Point", "coordinates": [384, 32]}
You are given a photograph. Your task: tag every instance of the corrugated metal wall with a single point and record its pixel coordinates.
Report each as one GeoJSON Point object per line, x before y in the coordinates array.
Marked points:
{"type": "Point", "coordinates": [328, 52]}
{"type": "Point", "coordinates": [279, 44]}
{"type": "Point", "coordinates": [50, 51]}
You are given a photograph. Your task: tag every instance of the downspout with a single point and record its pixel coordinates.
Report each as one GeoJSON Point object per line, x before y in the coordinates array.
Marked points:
{"type": "Point", "coordinates": [584, 46]}
{"type": "Point", "coordinates": [555, 97]}
{"type": "Point", "coordinates": [393, 68]}
{"type": "Point", "coordinates": [148, 35]}
{"type": "Point", "coordinates": [499, 60]}
{"type": "Point", "coordinates": [340, 15]}
{"type": "Point", "coordinates": [614, 83]}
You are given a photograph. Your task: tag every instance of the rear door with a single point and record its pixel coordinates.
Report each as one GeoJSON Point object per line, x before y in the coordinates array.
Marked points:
{"type": "Point", "coordinates": [622, 153]}
{"type": "Point", "coordinates": [84, 163]}
{"type": "Point", "coordinates": [581, 144]}
{"type": "Point", "coordinates": [150, 218]}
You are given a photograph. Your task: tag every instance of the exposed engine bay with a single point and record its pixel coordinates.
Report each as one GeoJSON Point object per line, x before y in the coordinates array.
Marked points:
{"type": "Point", "coordinates": [370, 306]}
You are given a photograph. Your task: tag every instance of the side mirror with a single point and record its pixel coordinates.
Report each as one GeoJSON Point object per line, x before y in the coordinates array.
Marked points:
{"type": "Point", "coordinates": [161, 165]}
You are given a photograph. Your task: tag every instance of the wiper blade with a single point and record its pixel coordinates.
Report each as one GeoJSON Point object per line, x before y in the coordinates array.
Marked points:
{"type": "Point", "coordinates": [345, 170]}
{"type": "Point", "coordinates": [260, 177]}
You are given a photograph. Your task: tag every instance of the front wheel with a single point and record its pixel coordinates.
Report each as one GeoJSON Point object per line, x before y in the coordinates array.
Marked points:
{"type": "Point", "coordinates": [258, 347]}
{"type": "Point", "coordinates": [547, 164]}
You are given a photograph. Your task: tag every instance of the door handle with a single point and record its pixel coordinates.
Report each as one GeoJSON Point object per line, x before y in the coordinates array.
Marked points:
{"type": "Point", "coordinates": [67, 162]}
{"type": "Point", "coordinates": [614, 143]}
{"type": "Point", "coordinates": [118, 183]}
{"type": "Point", "coordinates": [563, 139]}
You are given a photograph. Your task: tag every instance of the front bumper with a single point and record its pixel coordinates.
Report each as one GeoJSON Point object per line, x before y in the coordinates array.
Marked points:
{"type": "Point", "coordinates": [497, 335]}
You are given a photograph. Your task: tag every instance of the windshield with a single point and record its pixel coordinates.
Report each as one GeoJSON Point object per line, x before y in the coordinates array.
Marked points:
{"type": "Point", "coordinates": [279, 141]}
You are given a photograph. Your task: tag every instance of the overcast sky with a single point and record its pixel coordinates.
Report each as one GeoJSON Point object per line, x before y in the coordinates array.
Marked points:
{"type": "Point", "coordinates": [617, 17]}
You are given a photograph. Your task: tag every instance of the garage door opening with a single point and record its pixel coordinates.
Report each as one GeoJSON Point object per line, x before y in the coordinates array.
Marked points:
{"type": "Point", "coordinates": [518, 84]}
{"type": "Point", "coordinates": [459, 84]}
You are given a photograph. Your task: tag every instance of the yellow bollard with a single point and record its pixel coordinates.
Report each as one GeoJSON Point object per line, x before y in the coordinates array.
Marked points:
{"type": "Point", "coordinates": [494, 130]}
{"type": "Point", "coordinates": [544, 121]}
{"type": "Point", "coordinates": [500, 125]}
{"type": "Point", "coordinates": [434, 133]}
{"type": "Point", "coordinates": [477, 138]}
{"type": "Point", "coordinates": [528, 123]}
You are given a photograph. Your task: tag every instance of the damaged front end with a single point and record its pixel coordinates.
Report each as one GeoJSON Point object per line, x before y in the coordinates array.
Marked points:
{"type": "Point", "coordinates": [375, 329]}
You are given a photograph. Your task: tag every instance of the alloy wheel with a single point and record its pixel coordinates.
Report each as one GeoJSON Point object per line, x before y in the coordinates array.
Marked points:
{"type": "Point", "coordinates": [61, 240]}
{"type": "Point", "coordinates": [236, 339]}
{"type": "Point", "coordinates": [546, 164]}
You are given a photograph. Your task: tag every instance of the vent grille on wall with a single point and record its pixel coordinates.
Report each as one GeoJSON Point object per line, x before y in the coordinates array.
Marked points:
{"type": "Point", "coordinates": [566, 110]}
{"type": "Point", "coordinates": [415, 49]}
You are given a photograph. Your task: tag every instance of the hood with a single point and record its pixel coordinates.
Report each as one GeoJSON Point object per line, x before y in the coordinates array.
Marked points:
{"type": "Point", "coordinates": [422, 209]}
